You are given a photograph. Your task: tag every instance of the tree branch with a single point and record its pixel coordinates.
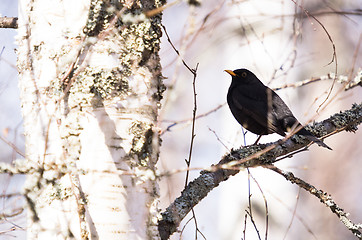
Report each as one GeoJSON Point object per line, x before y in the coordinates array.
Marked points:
{"type": "Point", "coordinates": [324, 197]}
{"type": "Point", "coordinates": [8, 22]}
{"type": "Point", "coordinates": [19, 166]}
{"type": "Point", "coordinates": [250, 156]}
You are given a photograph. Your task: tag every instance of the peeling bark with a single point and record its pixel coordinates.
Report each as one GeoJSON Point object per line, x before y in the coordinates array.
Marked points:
{"type": "Point", "coordinates": [91, 86]}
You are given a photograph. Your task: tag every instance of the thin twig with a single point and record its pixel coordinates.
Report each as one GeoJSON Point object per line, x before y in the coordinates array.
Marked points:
{"type": "Point", "coordinates": [250, 212]}
{"type": "Point", "coordinates": [183, 228]}
{"type": "Point", "coordinates": [244, 230]}
{"type": "Point", "coordinates": [188, 161]}
{"type": "Point", "coordinates": [334, 55]}
{"type": "Point", "coordinates": [177, 52]}
{"type": "Point", "coordinates": [15, 148]}
{"type": "Point", "coordinates": [300, 218]}
{"type": "Point", "coordinates": [293, 215]}
{"type": "Point", "coordinates": [218, 139]}
{"type": "Point", "coordinates": [355, 55]}
{"type": "Point", "coordinates": [266, 206]}
{"type": "Point", "coordinates": [174, 123]}
{"type": "Point", "coordinates": [324, 197]}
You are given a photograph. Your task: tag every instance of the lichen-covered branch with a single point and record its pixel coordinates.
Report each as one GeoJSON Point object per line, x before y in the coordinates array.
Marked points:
{"type": "Point", "coordinates": [250, 156]}
{"type": "Point", "coordinates": [17, 167]}
{"type": "Point", "coordinates": [325, 198]}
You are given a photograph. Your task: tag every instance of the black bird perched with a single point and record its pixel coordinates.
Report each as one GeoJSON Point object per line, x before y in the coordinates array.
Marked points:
{"type": "Point", "coordinates": [259, 109]}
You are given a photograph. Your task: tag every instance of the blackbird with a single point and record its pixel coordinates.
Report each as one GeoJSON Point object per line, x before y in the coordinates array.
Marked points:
{"type": "Point", "coordinates": [259, 109]}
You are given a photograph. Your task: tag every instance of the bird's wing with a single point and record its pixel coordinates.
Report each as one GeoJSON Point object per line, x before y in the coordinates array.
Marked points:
{"type": "Point", "coordinates": [283, 114]}
{"type": "Point", "coordinates": [279, 107]}
{"type": "Point", "coordinates": [256, 107]}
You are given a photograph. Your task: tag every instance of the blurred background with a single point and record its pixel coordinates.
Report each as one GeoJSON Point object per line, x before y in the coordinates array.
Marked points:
{"type": "Point", "coordinates": [282, 44]}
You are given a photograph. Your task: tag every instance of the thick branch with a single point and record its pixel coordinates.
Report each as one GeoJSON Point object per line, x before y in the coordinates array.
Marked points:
{"type": "Point", "coordinates": [19, 166]}
{"type": "Point", "coordinates": [250, 156]}
{"type": "Point", "coordinates": [8, 22]}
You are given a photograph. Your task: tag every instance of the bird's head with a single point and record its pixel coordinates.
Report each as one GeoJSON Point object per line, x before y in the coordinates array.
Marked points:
{"type": "Point", "coordinates": [242, 76]}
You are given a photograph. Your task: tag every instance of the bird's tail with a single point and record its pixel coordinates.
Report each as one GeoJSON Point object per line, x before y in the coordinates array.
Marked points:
{"type": "Point", "coordinates": [312, 138]}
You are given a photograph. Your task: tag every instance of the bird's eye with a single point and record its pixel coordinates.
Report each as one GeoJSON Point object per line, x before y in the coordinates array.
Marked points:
{"type": "Point", "coordinates": [243, 74]}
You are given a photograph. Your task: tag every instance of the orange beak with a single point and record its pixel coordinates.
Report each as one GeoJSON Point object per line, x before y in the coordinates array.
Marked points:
{"type": "Point", "coordinates": [230, 72]}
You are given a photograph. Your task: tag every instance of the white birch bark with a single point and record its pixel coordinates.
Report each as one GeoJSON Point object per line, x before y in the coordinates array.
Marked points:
{"type": "Point", "coordinates": [94, 144]}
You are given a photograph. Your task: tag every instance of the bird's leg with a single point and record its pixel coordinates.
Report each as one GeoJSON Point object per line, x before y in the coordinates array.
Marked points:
{"type": "Point", "coordinates": [257, 140]}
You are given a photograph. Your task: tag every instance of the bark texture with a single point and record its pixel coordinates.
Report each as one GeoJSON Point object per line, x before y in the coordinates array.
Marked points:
{"type": "Point", "coordinates": [91, 86]}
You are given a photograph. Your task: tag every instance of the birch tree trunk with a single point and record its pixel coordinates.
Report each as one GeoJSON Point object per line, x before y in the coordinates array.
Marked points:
{"type": "Point", "coordinates": [91, 84]}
